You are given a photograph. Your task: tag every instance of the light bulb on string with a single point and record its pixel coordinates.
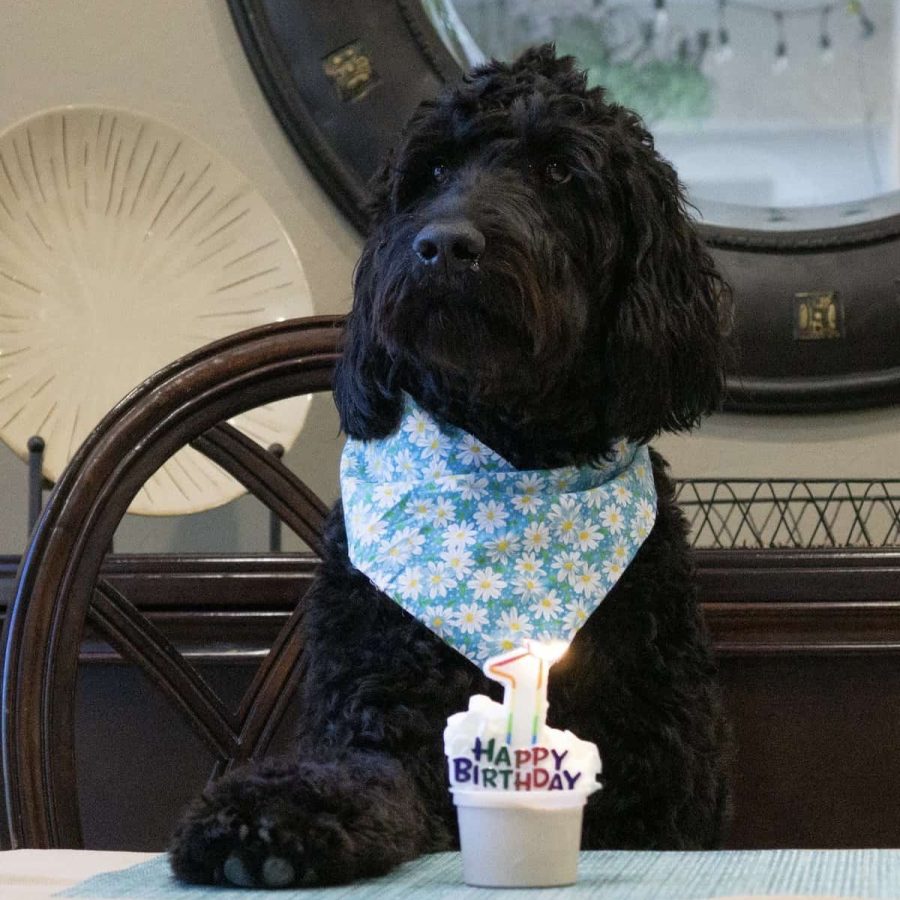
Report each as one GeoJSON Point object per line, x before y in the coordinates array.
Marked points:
{"type": "Point", "coordinates": [703, 40]}
{"type": "Point", "coordinates": [661, 16]}
{"type": "Point", "coordinates": [781, 48]}
{"type": "Point", "coordinates": [826, 50]}
{"type": "Point", "coordinates": [867, 25]}
{"type": "Point", "coordinates": [724, 50]}
{"type": "Point", "coordinates": [855, 8]}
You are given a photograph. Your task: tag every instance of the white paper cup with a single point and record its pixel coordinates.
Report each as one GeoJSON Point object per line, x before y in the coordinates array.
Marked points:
{"type": "Point", "coordinates": [519, 838]}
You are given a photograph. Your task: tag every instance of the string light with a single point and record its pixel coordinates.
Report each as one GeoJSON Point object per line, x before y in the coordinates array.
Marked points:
{"type": "Point", "coordinates": [722, 47]}
{"type": "Point", "coordinates": [781, 49]}
{"type": "Point", "coordinates": [724, 51]}
{"type": "Point", "coordinates": [826, 46]}
{"type": "Point", "coordinates": [827, 51]}
{"type": "Point", "coordinates": [661, 15]}
{"type": "Point", "coordinates": [868, 26]}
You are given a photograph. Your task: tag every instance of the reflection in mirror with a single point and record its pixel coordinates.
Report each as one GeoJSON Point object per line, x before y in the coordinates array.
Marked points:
{"type": "Point", "coordinates": [778, 114]}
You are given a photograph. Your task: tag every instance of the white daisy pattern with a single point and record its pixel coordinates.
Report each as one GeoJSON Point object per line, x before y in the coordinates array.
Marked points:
{"type": "Point", "coordinates": [438, 579]}
{"type": "Point", "coordinates": [472, 452]}
{"type": "Point", "coordinates": [442, 512]}
{"type": "Point", "coordinates": [421, 508]}
{"type": "Point", "coordinates": [587, 580]}
{"type": "Point", "coordinates": [459, 535]}
{"type": "Point", "coordinates": [438, 618]}
{"type": "Point", "coordinates": [486, 584]}
{"type": "Point", "coordinates": [501, 548]}
{"type": "Point", "coordinates": [484, 554]}
{"type": "Point", "coordinates": [470, 618]}
{"type": "Point", "coordinates": [459, 562]}
{"type": "Point", "coordinates": [528, 493]}
{"type": "Point", "coordinates": [409, 584]}
{"type": "Point", "coordinates": [472, 486]}
{"type": "Point", "coordinates": [546, 605]}
{"type": "Point", "coordinates": [639, 532]}
{"type": "Point", "coordinates": [491, 516]}
{"type": "Point", "coordinates": [566, 564]}
{"type": "Point", "coordinates": [528, 586]}
{"type": "Point", "coordinates": [577, 612]}
{"type": "Point", "coordinates": [612, 519]}
{"type": "Point", "coordinates": [587, 536]}
{"type": "Point", "coordinates": [536, 537]}
{"type": "Point", "coordinates": [530, 564]}
{"type": "Point", "coordinates": [513, 623]}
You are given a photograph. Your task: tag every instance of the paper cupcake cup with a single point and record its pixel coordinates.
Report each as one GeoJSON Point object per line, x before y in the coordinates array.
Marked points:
{"type": "Point", "coordinates": [519, 838]}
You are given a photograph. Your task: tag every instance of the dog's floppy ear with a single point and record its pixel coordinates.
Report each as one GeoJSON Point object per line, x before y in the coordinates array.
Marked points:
{"type": "Point", "coordinates": [368, 405]}
{"type": "Point", "coordinates": [665, 353]}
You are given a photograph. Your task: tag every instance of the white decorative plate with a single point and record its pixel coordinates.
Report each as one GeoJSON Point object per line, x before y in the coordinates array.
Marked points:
{"type": "Point", "coordinates": [124, 244]}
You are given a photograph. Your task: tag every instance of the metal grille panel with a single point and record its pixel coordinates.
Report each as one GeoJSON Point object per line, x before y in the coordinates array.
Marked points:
{"type": "Point", "coordinates": [791, 513]}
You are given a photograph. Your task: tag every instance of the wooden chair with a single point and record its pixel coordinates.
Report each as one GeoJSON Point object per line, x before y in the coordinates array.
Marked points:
{"type": "Point", "coordinates": [59, 589]}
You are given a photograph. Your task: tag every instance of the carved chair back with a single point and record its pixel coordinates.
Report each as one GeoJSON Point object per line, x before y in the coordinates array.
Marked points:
{"type": "Point", "coordinates": [59, 586]}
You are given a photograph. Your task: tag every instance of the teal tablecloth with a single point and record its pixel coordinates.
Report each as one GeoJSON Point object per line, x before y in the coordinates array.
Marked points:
{"type": "Point", "coordinates": [610, 875]}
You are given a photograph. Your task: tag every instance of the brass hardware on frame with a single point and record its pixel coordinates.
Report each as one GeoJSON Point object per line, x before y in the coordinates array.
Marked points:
{"type": "Point", "coordinates": [818, 316]}
{"type": "Point", "coordinates": [350, 70]}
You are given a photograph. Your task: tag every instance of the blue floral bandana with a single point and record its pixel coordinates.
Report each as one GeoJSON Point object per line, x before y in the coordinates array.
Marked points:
{"type": "Point", "coordinates": [484, 554]}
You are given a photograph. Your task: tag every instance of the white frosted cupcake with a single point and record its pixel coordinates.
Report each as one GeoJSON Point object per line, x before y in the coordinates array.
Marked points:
{"type": "Point", "coordinates": [520, 809]}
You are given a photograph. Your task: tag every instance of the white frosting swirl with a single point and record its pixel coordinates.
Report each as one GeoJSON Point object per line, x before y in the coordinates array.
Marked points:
{"type": "Point", "coordinates": [486, 721]}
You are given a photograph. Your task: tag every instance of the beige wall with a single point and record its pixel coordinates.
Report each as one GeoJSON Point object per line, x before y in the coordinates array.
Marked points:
{"type": "Point", "coordinates": [181, 61]}
{"type": "Point", "coordinates": [864, 444]}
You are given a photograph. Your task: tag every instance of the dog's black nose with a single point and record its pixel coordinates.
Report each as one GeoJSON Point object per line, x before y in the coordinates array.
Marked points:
{"type": "Point", "coordinates": [457, 245]}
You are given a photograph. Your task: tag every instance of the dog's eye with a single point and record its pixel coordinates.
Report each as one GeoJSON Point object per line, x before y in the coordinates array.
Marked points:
{"type": "Point", "coordinates": [440, 172]}
{"type": "Point", "coordinates": [556, 172]}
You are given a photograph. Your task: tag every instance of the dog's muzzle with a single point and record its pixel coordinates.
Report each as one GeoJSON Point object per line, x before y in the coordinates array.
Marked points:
{"type": "Point", "coordinates": [454, 246]}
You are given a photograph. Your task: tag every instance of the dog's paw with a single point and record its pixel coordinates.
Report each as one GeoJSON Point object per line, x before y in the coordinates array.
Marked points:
{"type": "Point", "coordinates": [263, 829]}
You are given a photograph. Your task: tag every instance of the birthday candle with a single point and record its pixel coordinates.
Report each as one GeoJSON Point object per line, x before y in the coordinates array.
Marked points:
{"type": "Point", "coordinates": [523, 672]}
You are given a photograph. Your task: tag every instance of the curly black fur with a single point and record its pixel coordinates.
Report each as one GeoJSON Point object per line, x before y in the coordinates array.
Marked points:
{"type": "Point", "coordinates": [593, 312]}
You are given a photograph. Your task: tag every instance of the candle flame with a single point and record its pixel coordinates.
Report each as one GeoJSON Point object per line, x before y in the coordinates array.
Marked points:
{"type": "Point", "coordinates": [548, 651]}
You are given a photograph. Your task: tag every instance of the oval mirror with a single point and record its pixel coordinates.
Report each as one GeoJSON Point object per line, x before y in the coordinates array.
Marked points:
{"type": "Point", "coordinates": [782, 118]}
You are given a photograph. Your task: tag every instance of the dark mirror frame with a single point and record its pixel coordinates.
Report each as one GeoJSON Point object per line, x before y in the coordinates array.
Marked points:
{"type": "Point", "coordinates": [817, 320]}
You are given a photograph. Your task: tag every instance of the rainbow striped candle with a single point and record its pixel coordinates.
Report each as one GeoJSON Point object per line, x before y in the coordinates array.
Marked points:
{"type": "Point", "coordinates": [523, 673]}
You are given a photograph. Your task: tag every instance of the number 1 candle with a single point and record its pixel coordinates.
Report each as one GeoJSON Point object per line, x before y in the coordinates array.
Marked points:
{"type": "Point", "coordinates": [524, 672]}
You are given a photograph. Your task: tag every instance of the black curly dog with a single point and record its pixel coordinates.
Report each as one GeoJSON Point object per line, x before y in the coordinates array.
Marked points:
{"type": "Point", "coordinates": [531, 277]}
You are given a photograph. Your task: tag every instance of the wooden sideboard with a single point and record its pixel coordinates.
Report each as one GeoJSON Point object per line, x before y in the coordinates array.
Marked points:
{"type": "Point", "coordinates": [808, 644]}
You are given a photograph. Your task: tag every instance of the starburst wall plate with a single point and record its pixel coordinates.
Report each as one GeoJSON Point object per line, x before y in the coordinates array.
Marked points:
{"type": "Point", "coordinates": [124, 244]}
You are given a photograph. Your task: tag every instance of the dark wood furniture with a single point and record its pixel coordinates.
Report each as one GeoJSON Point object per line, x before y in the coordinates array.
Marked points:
{"type": "Point", "coordinates": [808, 641]}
